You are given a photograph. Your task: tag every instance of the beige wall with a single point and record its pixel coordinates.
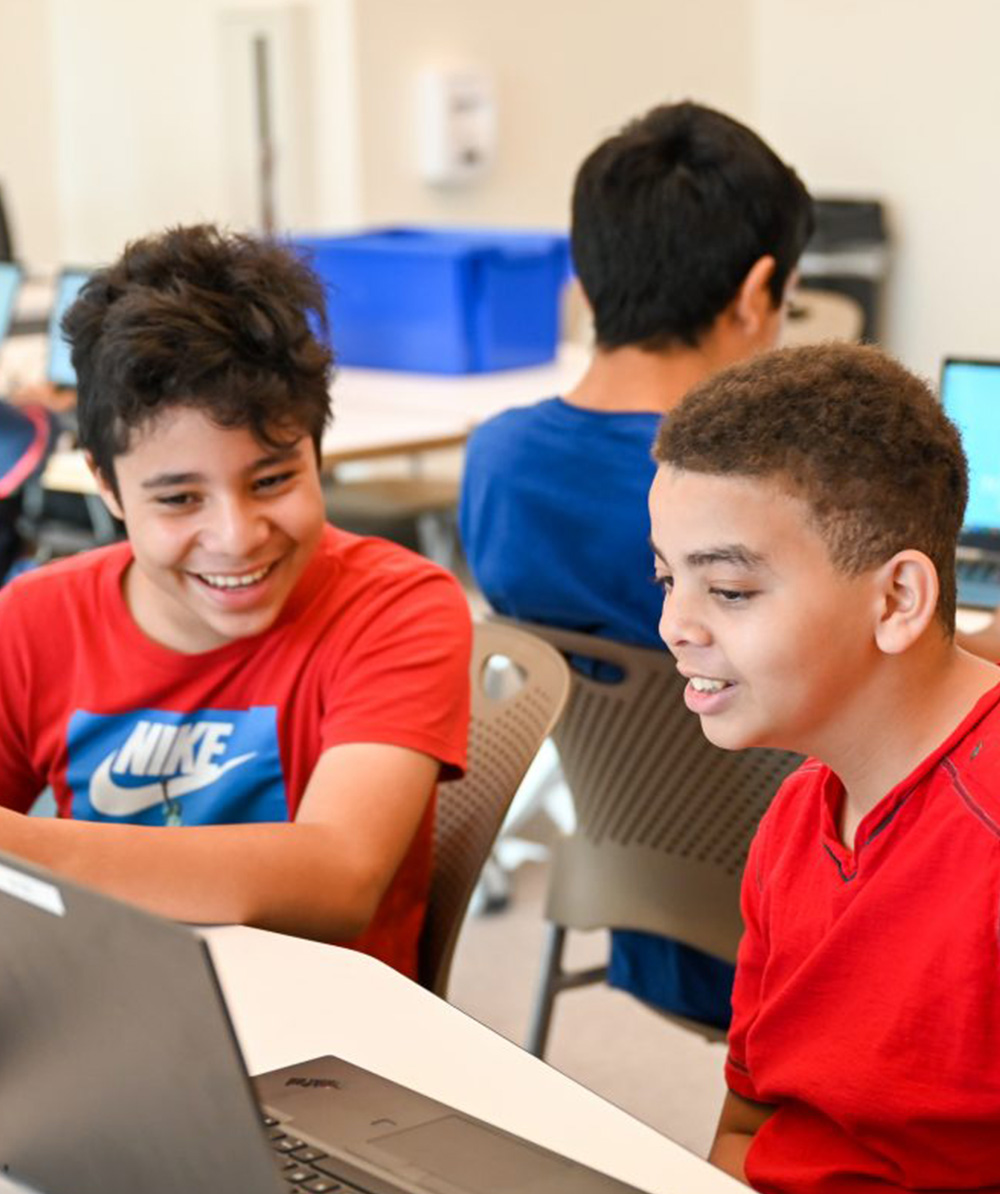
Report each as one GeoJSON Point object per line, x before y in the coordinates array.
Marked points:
{"type": "Point", "coordinates": [118, 119]}
{"type": "Point", "coordinates": [900, 99]}
{"type": "Point", "coordinates": [567, 72]}
{"type": "Point", "coordinates": [132, 126]}
{"type": "Point", "coordinates": [113, 118]}
{"type": "Point", "coordinates": [27, 127]}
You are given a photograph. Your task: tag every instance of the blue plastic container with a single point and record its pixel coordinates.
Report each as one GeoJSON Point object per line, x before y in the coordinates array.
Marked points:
{"type": "Point", "coordinates": [433, 301]}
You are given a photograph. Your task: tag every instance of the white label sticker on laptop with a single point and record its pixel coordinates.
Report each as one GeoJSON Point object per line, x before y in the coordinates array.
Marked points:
{"type": "Point", "coordinates": [32, 891]}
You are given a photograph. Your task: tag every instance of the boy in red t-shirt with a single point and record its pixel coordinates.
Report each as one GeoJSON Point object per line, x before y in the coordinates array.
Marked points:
{"type": "Point", "coordinates": [283, 695]}
{"type": "Point", "coordinates": [804, 518]}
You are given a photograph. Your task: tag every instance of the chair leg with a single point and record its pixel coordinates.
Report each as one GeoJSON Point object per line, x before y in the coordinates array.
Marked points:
{"type": "Point", "coordinates": [492, 891]}
{"type": "Point", "coordinates": [548, 987]}
{"type": "Point", "coordinates": [437, 534]}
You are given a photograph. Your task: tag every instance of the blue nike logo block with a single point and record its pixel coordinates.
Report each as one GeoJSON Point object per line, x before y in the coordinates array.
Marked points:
{"type": "Point", "coordinates": [155, 767]}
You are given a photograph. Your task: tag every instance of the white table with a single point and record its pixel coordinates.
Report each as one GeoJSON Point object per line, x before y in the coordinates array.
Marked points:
{"type": "Point", "coordinates": [291, 1000]}
{"type": "Point", "coordinates": [376, 412]}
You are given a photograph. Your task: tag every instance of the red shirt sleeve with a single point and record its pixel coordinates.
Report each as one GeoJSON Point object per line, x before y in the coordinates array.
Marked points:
{"type": "Point", "coordinates": [403, 678]}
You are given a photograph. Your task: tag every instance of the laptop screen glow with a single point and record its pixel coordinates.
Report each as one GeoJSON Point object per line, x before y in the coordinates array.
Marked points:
{"type": "Point", "coordinates": [970, 394]}
{"type": "Point", "coordinates": [61, 372]}
{"type": "Point", "coordinates": [10, 278]}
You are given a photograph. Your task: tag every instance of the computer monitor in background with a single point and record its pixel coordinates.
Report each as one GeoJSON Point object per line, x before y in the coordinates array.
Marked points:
{"type": "Point", "coordinates": [970, 395]}
{"type": "Point", "coordinates": [68, 286]}
{"type": "Point", "coordinates": [10, 280]}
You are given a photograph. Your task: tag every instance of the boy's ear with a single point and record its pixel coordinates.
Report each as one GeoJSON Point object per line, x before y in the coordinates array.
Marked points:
{"type": "Point", "coordinates": [908, 590]}
{"type": "Point", "coordinates": [105, 489]}
{"type": "Point", "coordinates": [753, 302]}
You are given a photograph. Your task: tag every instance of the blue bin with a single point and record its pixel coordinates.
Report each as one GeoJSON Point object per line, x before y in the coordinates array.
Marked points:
{"type": "Point", "coordinates": [434, 301]}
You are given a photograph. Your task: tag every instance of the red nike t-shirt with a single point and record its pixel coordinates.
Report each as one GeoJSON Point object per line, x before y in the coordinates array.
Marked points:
{"type": "Point", "coordinates": [372, 646]}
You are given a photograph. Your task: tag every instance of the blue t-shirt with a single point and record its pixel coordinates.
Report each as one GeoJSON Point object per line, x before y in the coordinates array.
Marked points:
{"type": "Point", "coordinates": [554, 522]}
{"type": "Point", "coordinates": [555, 527]}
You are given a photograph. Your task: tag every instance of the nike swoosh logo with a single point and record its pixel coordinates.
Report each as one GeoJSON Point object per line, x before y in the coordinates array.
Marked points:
{"type": "Point", "coordinates": [114, 800]}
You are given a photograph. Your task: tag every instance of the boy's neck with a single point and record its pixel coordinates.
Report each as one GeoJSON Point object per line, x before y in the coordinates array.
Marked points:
{"type": "Point", "coordinates": [634, 380]}
{"type": "Point", "coordinates": [908, 723]}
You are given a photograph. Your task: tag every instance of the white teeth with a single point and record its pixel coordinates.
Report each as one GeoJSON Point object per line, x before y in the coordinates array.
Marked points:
{"type": "Point", "coordinates": [234, 582]}
{"type": "Point", "coordinates": [704, 684]}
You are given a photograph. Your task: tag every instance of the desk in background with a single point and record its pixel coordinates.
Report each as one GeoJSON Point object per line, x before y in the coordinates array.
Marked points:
{"type": "Point", "coordinates": [376, 413]}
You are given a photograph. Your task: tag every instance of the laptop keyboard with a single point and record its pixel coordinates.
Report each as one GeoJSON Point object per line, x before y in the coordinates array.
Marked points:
{"type": "Point", "coordinates": [307, 1170]}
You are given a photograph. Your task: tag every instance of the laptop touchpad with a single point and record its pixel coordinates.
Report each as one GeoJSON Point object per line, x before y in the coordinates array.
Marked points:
{"type": "Point", "coordinates": [469, 1156]}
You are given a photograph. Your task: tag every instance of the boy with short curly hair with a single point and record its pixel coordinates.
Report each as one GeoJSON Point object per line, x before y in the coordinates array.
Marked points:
{"type": "Point", "coordinates": [805, 513]}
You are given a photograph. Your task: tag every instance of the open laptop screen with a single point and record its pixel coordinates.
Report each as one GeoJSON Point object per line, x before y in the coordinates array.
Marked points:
{"type": "Point", "coordinates": [970, 394]}
{"type": "Point", "coordinates": [68, 286]}
{"type": "Point", "coordinates": [10, 278]}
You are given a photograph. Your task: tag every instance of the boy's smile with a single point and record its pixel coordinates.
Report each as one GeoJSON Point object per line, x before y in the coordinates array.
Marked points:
{"type": "Point", "coordinates": [773, 638]}
{"type": "Point", "coordinates": [221, 526]}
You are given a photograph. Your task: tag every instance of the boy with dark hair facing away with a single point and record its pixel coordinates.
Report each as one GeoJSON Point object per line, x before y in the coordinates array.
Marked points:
{"type": "Point", "coordinates": [805, 513]}
{"type": "Point", "coordinates": [285, 694]}
{"type": "Point", "coordinates": [686, 230]}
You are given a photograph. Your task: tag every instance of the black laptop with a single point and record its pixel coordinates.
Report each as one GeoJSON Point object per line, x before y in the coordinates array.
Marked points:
{"type": "Point", "coordinates": [120, 1074]}
{"type": "Point", "coordinates": [970, 395]}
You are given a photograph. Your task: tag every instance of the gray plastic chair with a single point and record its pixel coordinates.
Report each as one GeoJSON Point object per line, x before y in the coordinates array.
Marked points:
{"type": "Point", "coordinates": [520, 686]}
{"type": "Point", "coordinates": [664, 818]}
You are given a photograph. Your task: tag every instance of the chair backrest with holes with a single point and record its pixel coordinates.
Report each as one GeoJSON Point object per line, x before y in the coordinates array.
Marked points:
{"type": "Point", "coordinates": [519, 688]}
{"type": "Point", "coordinates": [664, 818]}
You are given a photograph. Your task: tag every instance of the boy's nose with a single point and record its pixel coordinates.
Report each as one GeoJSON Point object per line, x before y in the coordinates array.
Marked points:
{"type": "Point", "coordinates": [679, 624]}
{"type": "Point", "coordinates": [237, 529]}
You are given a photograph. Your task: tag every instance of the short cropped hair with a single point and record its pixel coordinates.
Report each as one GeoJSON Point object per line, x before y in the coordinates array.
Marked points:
{"type": "Point", "coordinates": [229, 325]}
{"type": "Point", "coordinates": [669, 216]}
{"type": "Point", "coordinates": [851, 432]}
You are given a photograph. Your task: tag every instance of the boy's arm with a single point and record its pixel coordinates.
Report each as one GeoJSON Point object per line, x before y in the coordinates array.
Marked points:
{"type": "Point", "coordinates": [738, 1123]}
{"type": "Point", "coordinates": [321, 876]}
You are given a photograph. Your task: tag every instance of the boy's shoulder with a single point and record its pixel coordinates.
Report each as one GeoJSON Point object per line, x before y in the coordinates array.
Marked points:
{"type": "Point", "coordinates": [513, 422]}
{"type": "Point", "coordinates": [361, 576]}
{"type": "Point", "coordinates": [83, 576]}
{"type": "Point", "coordinates": [972, 764]}
{"type": "Point", "coordinates": [968, 762]}
{"type": "Point", "coordinates": [554, 432]}
{"type": "Point", "coordinates": [371, 561]}
{"type": "Point", "coordinates": [365, 597]}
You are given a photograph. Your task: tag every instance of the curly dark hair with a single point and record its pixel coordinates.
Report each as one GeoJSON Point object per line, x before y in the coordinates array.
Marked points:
{"type": "Point", "coordinates": [669, 216]}
{"type": "Point", "coordinates": [229, 325]}
{"type": "Point", "coordinates": [859, 438]}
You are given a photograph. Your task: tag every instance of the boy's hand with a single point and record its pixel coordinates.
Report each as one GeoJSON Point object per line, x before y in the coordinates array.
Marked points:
{"type": "Point", "coordinates": [320, 876]}
{"type": "Point", "coordinates": [738, 1123]}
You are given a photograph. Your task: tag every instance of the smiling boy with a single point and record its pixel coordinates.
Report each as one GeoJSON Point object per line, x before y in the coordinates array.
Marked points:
{"type": "Point", "coordinates": [283, 694]}
{"type": "Point", "coordinates": [804, 518]}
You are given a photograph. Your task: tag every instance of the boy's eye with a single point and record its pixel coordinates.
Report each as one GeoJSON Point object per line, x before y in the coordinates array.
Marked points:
{"type": "Point", "coordinates": [733, 596]}
{"type": "Point", "coordinates": [272, 481]}
{"type": "Point", "coordinates": [663, 581]}
{"type": "Point", "coordinates": [176, 501]}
